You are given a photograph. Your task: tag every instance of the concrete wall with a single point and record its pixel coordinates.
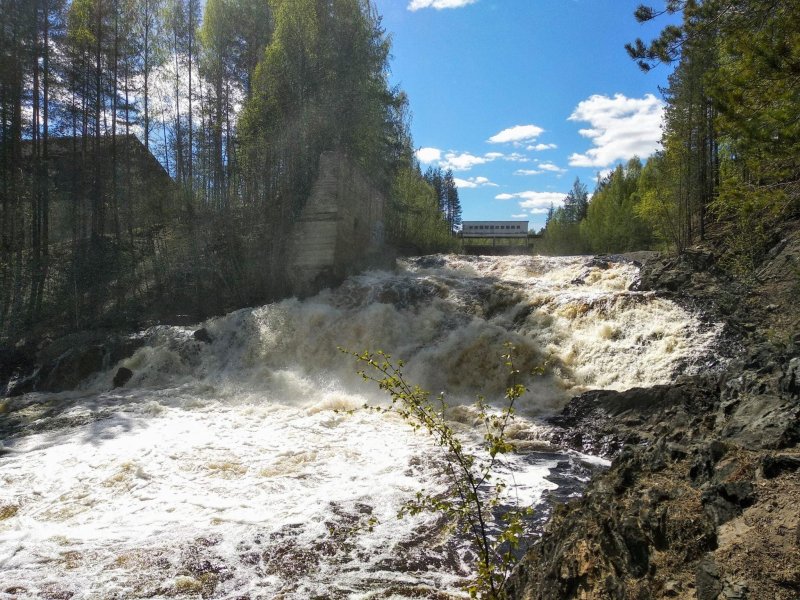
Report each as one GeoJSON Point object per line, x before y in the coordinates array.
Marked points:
{"type": "Point", "coordinates": [340, 230]}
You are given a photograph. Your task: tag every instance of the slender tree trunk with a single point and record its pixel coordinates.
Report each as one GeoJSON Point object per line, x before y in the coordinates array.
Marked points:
{"type": "Point", "coordinates": [178, 140]}
{"type": "Point", "coordinates": [190, 164]}
{"type": "Point", "coordinates": [98, 212]}
{"type": "Point", "coordinates": [218, 124]}
{"type": "Point", "coordinates": [146, 73]}
{"type": "Point", "coordinates": [44, 210]}
{"type": "Point", "coordinates": [114, 111]}
{"type": "Point", "coordinates": [128, 145]}
{"type": "Point", "coordinates": [35, 177]}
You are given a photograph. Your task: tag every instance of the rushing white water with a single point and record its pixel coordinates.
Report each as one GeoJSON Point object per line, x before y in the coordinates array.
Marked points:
{"type": "Point", "coordinates": [227, 470]}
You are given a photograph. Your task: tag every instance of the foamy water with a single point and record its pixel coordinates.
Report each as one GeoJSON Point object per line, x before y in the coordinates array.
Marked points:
{"type": "Point", "coordinates": [244, 469]}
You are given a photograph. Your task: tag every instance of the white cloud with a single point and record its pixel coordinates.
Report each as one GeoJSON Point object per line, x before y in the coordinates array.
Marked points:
{"type": "Point", "coordinates": [542, 147]}
{"type": "Point", "coordinates": [513, 157]}
{"type": "Point", "coordinates": [462, 162]}
{"type": "Point", "coordinates": [621, 128]}
{"type": "Point", "coordinates": [517, 135]}
{"type": "Point", "coordinates": [551, 167]}
{"type": "Point", "coordinates": [522, 216]}
{"type": "Point", "coordinates": [429, 155]}
{"type": "Point", "coordinates": [541, 168]}
{"type": "Point", "coordinates": [473, 182]}
{"type": "Point", "coordinates": [535, 203]}
{"type": "Point", "coordinates": [438, 4]}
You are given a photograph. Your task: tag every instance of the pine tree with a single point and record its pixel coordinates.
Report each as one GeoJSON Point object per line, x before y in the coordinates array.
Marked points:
{"type": "Point", "coordinates": [576, 204]}
{"type": "Point", "coordinates": [451, 201]}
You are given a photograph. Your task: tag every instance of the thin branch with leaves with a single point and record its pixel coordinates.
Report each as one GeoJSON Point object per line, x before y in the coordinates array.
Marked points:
{"type": "Point", "coordinates": [474, 496]}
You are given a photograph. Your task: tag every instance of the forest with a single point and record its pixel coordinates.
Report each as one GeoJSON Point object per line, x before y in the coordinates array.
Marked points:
{"type": "Point", "coordinates": [729, 168]}
{"type": "Point", "coordinates": [152, 152]}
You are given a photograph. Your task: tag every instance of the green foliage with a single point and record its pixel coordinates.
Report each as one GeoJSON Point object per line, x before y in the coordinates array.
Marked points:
{"type": "Point", "coordinates": [446, 194]}
{"type": "Point", "coordinates": [321, 85]}
{"type": "Point", "coordinates": [237, 106]}
{"type": "Point", "coordinates": [613, 223]}
{"type": "Point", "coordinates": [615, 220]}
{"type": "Point", "coordinates": [658, 189]}
{"type": "Point", "coordinates": [748, 215]}
{"type": "Point", "coordinates": [731, 137]}
{"type": "Point", "coordinates": [414, 221]}
{"type": "Point", "coordinates": [474, 496]}
{"type": "Point", "coordinates": [80, 23]}
{"type": "Point", "coordinates": [576, 204]}
{"type": "Point", "coordinates": [562, 237]}
{"type": "Point", "coordinates": [452, 204]}
{"type": "Point", "coordinates": [755, 88]}
{"type": "Point", "coordinates": [562, 233]}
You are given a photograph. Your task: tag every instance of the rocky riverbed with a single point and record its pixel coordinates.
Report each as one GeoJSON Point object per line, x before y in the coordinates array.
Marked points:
{"type": "Point", "coordinates": [703, 496]}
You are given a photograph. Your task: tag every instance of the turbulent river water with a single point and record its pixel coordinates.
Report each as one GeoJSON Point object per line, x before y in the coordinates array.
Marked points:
{"type": "Point", "coordinates": [236, 469]}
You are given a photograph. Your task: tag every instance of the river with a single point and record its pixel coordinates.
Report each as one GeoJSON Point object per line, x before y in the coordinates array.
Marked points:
{"type": "Point", "coordinates": [245, 467]}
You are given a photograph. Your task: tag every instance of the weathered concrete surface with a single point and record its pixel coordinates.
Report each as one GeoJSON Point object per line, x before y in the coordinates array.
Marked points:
{"type": "Point", "coordinates": [340, 230]}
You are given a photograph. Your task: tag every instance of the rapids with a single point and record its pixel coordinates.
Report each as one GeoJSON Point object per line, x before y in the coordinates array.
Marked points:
{"type": "Point", "coordinates": [244, 469]}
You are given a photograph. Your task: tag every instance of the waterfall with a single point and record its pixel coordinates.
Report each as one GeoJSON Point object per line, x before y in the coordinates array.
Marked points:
{"type": "Point", "coordinates": [243, 467]}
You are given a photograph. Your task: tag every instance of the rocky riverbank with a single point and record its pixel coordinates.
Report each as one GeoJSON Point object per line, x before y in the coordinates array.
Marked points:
{"type": "Point", "coordinates": [703, 496]}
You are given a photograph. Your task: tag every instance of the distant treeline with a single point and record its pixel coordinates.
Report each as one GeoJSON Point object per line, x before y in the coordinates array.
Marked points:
{"type": "Point", "coordinates": [236, 104]}
{"type": "Point", "coordinates": [731, 142]}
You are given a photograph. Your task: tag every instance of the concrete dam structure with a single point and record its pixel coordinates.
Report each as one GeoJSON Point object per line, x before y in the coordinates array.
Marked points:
{"type": "Point", "coordinates": [340, 230]}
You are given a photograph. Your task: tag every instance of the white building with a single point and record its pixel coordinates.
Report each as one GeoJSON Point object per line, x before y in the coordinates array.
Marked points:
{"type": "Point", "coordinates": [494, 228]}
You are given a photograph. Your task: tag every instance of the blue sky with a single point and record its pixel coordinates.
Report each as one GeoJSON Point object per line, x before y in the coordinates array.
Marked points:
{"type": "Point", "coordinates": [519, 97]}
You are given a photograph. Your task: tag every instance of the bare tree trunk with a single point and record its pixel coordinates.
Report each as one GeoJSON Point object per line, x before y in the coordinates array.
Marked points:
{"type": "Point", "coordinates": [35, 177]}
{"type": "Point", "coordinates": [44, 209]}
{"type": "Point", "coordinates": [98, 204]}
{"type": "Point", "coordinates": [190, 164]}
{"type": "Point", "coordinates": [178, 140]}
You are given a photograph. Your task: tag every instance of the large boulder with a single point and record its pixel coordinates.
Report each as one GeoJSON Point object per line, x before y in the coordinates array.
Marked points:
{"type": "Point", "coordinates": [63, 364]}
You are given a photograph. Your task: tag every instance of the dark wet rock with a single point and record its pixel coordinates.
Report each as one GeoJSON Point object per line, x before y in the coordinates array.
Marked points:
{"type": "Point", "coordinates": [725, 502]}
{"type": "Point", "coordinates": [17, 366]}
{"type": "Point", "coordinates": [64, 363]}
{"type": "Point", "coordinates": [763, 421]}
{"type": "Point", "coordinates": [790, 380]}
{"type": "Point", "coordinates": [603, 421]}
{"type": "Point", "coordinates": [71, 368]}
{"type": "Point", "coordinates": [670, 274]}
{"type": "Point", "coordinates": [404, 294]}
{"type": "Point", "coordinates": [122, 377]}
{"type": "Point", "coordinates": [20, 386]}
{"type": "Point", "coordinates": [708, 583]}
{"type": "Point", "coordinates": [776, 465]}
{"type": "Point", "coordinates": [202, 335]}
{"type": "Point", "coordinates": [15, 361]}
{"type": "Point", "coordinates": [705, 459]}
{"type": "Point", "coordinates": [429, 262]}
